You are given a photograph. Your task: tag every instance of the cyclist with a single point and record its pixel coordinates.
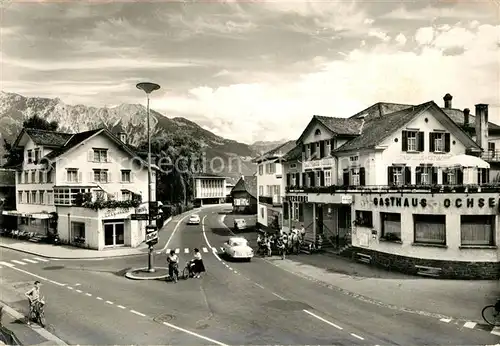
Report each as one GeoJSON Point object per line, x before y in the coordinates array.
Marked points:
{"type": "Point", "coordinates": [173, 265]}
{"type": "Point", "coordinates": [33, 296]}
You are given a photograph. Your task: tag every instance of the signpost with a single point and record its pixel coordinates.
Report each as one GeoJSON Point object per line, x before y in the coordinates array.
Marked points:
{"type": "Point", "coordinates": [151, 235]}
{"type": "Point", "coordinates": [139, 217]}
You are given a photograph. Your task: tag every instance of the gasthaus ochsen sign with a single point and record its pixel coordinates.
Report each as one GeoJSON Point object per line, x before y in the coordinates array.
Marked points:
{"type": "Point", "coordinates": [467, 202]}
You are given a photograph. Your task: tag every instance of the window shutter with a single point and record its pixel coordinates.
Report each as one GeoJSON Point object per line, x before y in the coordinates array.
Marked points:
{"type": "Point", "coordinates": [460, 176]}
{"type": "Point", "coordinates": [407, 175]}
{"type": "Point", "coordinates": [404, 141]}
{"type": "Point", "coordinates": [434, 179]}
{"type": "Point", "coordinates": [80, 180]}
{"type": "Point", "coordinates": [45, 177]}
{"type": "Point", "coordinates": [362, 179]}
{"type": "Point", "coordinates": [345, 178]}
{"type": "Point", "coordinates": [288, 179]}
{"type": "Point", "coordinates": [418, 175]}
{"type": "Point", "coordinates": [90, 155]}
{"type": "Point", "coordinates": [447, 142]}
{"type": "Point", "coordinates": [321, 149]}
{"type": "Point", "coordinates": [301, 212]}
{"type": "Point", "coordinates": [431, 142]}
{"type": "Point", "coordinates": [322, 178]}
{"type": "Point", "coordinates": [297, 179]}
{"type": "Point", "coordinates": [420, 137]}
{"type": "Point", "coordinates": [484, 175]}
{"type": "Point", "coordinates": [304, 179]}
{"type": "Point", "coordinates": [313, 180]}
{"type": "Point", "coordinates": [390, 175]}
{"type": "Point", "coordinates": [285, 210]}
{"type": "Point", "coordinates": [445, 178]}
{"type": "Point", "coordinates": [36, 178]}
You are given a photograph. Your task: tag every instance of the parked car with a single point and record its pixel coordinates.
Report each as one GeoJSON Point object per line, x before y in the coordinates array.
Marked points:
{"type": "Point", "coordinates": [194, 219]}
{"type": "Point", "coordinates": [240, 224]}
{"type": "Point", "coordinates": [238, 248]}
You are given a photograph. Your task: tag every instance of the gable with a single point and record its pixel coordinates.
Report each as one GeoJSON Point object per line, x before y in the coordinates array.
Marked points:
{"type": "Point", "coordinates": [315, 131]}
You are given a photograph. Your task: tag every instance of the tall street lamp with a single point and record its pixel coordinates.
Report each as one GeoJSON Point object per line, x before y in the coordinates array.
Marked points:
{"type": "Point", "coordinates": [148, 88]}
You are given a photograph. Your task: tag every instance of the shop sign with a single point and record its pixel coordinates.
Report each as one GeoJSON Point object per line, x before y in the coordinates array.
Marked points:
{"type": "Point", "coordinates": [114, 212]}
{"type": "Point", "coordinates": [471, 202]}
{"type": "Point", "coordinates": [300, 199]}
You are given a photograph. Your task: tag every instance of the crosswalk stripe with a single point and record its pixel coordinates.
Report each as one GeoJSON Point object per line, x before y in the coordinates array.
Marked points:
{"type": "Point", "coordinates": [40, 259]}
{"type": "Point", "coordinates": [214, 249]}
{"type": "Point", "coordinates": [7, 264]}
{"type": "Point", "coordinates": [168, 251]}
{"type": "Point", "coordinates": [19, 262]}
{"type": "Point", "coordinates": [30, 261]}
{"type": "Point", "coordinates": [186, 250]}
{"type": "Point", "coordinates": [177, 250]}
{"type": "Point", "coordinates": [205, 249]}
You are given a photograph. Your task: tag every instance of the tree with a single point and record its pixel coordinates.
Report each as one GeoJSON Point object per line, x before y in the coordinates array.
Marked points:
{"type": "Point", "coordinates": [15, 156]}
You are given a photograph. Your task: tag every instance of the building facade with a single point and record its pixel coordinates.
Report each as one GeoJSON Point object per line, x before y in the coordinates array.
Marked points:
{"type": "Point", "coordinates": [244, 195]}
{"type": "Point", "coordinates": [398, 186]}
{"type": "Point", "coordinates": [91, 182]}
{"type": "Point", "coordinates": [209, 189]}
{"type": "Point", "coordinates": [7, 198]}
{"type": "Point", "coordinates": [271, 187]}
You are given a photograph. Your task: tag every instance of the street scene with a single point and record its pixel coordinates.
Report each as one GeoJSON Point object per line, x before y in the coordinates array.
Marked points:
{"type": "Point", "coordinates": [249, 173]}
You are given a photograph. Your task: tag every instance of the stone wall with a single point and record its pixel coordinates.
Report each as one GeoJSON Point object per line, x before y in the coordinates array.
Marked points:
{"type": "Point", "coordinates": [435, 268]}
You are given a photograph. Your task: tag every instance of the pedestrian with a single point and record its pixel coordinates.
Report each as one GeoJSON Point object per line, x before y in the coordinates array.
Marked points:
{"type": "Point", "coordinates": [199, 267]}
{"type": "Point", "coordinates": [173, 266]}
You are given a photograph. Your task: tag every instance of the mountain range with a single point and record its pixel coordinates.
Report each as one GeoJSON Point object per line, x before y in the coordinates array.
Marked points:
{"type": "Point", "coordinates": [131, 119]}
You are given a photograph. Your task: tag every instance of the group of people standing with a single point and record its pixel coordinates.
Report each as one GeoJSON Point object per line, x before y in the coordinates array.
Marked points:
{"type": "Point", "coordinates": [195, 265]}
{"type": "Point", "coordinates": [282, 241]}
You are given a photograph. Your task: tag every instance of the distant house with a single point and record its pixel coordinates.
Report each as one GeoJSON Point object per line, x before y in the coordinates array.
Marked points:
{"type": "Point", "coordinates": [244, 195]}
{"type": "Point", "coordinates": [209, 189]}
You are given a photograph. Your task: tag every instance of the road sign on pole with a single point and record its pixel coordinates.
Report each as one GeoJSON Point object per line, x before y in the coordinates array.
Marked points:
{"type": "Point", "coordinates": [151, 235]}
{"type": "Point", "coordinates": [139, 217]}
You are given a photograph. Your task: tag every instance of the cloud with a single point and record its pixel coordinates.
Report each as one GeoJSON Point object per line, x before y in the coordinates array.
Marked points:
{"type": "Point", "coordinates": [379, 34]}
{"type": "Point", "coordinates": [400, 39]}
{"type": "Point", "coordinates": [473, 10]}
{"type": "Point", "coordinates": [424, 35]}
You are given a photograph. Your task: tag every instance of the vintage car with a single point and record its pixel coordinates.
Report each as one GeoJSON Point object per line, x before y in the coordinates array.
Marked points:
{"type": "Point", "coordinates": [194, 219]}
{"type": "Point", "coordinates": [237, 248]}
{"type": "Point", "coordinates": [240, 224]}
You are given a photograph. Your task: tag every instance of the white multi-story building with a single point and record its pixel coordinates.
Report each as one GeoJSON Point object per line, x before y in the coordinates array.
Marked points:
{"type": "Point", "coordinates": [271, 187]}
{"type": "Point", "coordinates": [401, 186]}
{"type": "Point", "coordinates": [62, 170]}
{"type": "Point", "coordinates": [209, 189]}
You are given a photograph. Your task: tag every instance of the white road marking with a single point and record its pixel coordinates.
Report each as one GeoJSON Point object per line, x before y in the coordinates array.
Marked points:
{"type": "Point", "coordinates": [98, 298]}
{"type": "Point", "coordinates": [37, 276]}
{"type": "Point", "coordinates": [121, 307]}
{"type": "Point", "coordinates": [76, 284]}
{"type": "Point", "coordinates": [258, 285]}
{"type": "Point", "coordinates": [496, 331]}
{"type": "Point", "coordinates": [30, 261]}
{"type": "Point", "coordinates": [175, 230]}
{"type": "Point", "coordinates": [205, 249]}
{"type": "Point", "coordinates": [168, 251]}
{"type": "Point", "coordinates": [108, 302]}
{"type": "Point", "coordinates": [470, 325]}
{"type": "Point", "coordinates": [214, 249]}
{"type": "Point", "coordinates": [88, 294]}
{"type": "Point", "coordinates": [177, 250]}
{"type": "Point", "coordinates": [446, 320]}
{"type": "Point", "coordinates": [195, 334]}
{"type": "Point", "coordinates": [158, 252]}
{"type": "Point", "coordinates": [186, 250]}
{"type": "Point", "coordinates": [277, 295]}
{"type": "Point", "coordinates": [322, 319]}
{"type": "Point", "coordinates": [40, 259]}
{"type": "Point", "coordinates": [79, 291]}
{"type": "Point", "coordinates": [214, 252]}
{"type": "Point", "coordinates": [137, 313]}
{"type": "Point", "coordinates": [7, 264]}
{"type": "Point", "coordinates": [19, 262]}
{"type": "Point", "coordinates": [69, 287]}
{"type": "Point", "coordinates": [357, 336]}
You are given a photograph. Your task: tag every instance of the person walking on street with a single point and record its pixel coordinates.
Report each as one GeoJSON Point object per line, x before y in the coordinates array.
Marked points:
{"type": "Point", "coordinates": [33, 296]}
{"type": "Point", "coordinates": [198, 267]}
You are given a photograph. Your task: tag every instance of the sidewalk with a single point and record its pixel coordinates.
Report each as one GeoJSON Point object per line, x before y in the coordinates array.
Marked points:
{"type": "Point", "coordinates": [456, 299]}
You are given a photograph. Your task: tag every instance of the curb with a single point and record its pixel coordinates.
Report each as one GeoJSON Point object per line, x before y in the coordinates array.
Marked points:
{"type": "Point", "coordinates": [131, 276]}
{"type": "Point", "coordinates": [54, 340]}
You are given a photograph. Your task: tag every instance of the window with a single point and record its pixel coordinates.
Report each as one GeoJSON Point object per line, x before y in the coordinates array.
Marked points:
{"type": "Point", "coordinates": [126, 195]}
{"type": "Point", "coordinates": [354, 158]}
{"type": "Point", "coordinates": [355, 176]}
{"type": "Point", "coordinates": [328, 148]}
{"type": "Point", "coordinates": [126, 176]}
{"type": "Point", "coordinates": [391, 226]}
{"type": "Point", "coordinates": [364, 218]}
{"type": "Point", "coordinates": [19, 176]}
{"type": "Point", "coordinates": [295, 211]}
{"type": "Point", "coordinates": [328, 178]}
{"type": "Point", "coordinates": [41, 198]}
{"type": "Point", "coordinates": [262, 212]}
{"type": "Point", "coordinates": [308, 151]}
{"type": "Point", "coordinates": [439, 142]}
{"type": "Point", "coordinates": [30, 156]}
{"type": "Point", "coordinates": [33, 197]}
{"type": "Point", "coordinates": [398, 175]}
{"type": "Point", "coordinates": [293, 165]}
{"type": "Point", "coordinates": [37, 155]}
{"type": "Point", "coordinates": [28, 197]}
{"type": "Point", "coordinates": [477, 230]}
{"type": "Point", "coordinates": [317, 132]}
{"type": "Point", "coordinates": [261, 190]}
{"type": "Point", "coordinates": [33, 177]}
{"type": "Point", "coordinates": [19, 197]}
{"type": "Point", "coordinates": [49, 177]}
{"type": "Point", "coordinates": [67, 196]}
{"type": "Point", "coordinates": [40, 177]}
{"type": "Point", "coordinates": [78, 231]}
{"type": "Point", "coordinates": [100, 155]}
{"type": "Point", "coordinates": [101, 176]}
{"type": "Point", "coordinates": [483, 176]}
{"type": "Point", "coordinates": [451, 177]}
{"type": "Point", "coordinates": [50, 198]}
{"type": "Point", "coordinates": [294, 180]}
{"type": "Point", "coordinates": [72, 175]}
{"type": "Point", "coordinates": [270, 168]}
{"type": "Point", "coordinates": [413, 140]}
{"type": "Point", "coordinates": [430, 229]}
{"type": "Point", "coordinates": [268, 190]}
{"type": "Point", "coordinates": [26, 178]}
{"type": "Point", "coordinates": [261, 169]}
{"type": "Point", "coordinates": [425, 175]}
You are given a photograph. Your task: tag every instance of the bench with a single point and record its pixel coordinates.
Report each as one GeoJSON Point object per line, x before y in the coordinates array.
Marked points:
{"type": "Point", "coordinates": [428, 271]}
{"type": "Point", "coordinates": [361, 257]}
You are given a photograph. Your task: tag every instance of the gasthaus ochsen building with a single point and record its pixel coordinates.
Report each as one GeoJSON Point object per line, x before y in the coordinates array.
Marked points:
{"type": "Point", "coordinates": [401, 187]}
{"type": "Point", "coordinates": [84, 186]}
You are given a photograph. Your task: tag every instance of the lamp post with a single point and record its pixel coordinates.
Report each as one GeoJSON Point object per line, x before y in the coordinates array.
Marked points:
{"type": "Point", "coordinates": [148, 88]}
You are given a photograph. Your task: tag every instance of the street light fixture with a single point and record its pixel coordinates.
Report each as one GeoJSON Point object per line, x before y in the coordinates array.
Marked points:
{"type": "Point", "coordinates": [148, 88]}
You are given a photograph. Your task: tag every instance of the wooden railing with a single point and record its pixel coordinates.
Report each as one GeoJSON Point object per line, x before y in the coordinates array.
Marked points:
{"type": "Point", "coordinates": [491, 156]}
{"type": "Point", "coordinates": [491, 188]}
{"type": "Point", "coordinates": [271, 200]}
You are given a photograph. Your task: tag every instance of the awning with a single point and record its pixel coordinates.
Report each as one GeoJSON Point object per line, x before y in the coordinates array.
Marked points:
{"type": "Point", "coordinates": [465, 161]}
{"type": "Point", "coordinates": [20, 214]}
{"type": "Point", "coordinates": [13, 213]}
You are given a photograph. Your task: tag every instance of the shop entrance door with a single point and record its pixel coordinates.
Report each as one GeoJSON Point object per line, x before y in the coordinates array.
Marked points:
{"type": "Point", "coordinates": [114, 234]}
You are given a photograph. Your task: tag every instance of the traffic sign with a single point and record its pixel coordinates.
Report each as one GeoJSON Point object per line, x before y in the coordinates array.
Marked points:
{"type": "Point", "coordinates": [139, 217]}
{"type": "Point", "coordinates": [152, 237]}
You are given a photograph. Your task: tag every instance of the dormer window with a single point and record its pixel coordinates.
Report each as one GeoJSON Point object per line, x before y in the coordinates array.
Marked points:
{"type": "Point", "coordinates": [317, 132]}
{"type": "Point", "coordinates": [413, 140]}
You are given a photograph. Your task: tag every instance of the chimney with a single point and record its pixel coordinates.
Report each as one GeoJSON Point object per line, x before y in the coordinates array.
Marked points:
{"type": "Point", "coordinates": [466, 117]}
{"type": "Point", "coordinates": [482, 126]}
{"type": "Point", "coordinates": [123, 137]}
{"type": "Point", "coordinates": [447, 100]}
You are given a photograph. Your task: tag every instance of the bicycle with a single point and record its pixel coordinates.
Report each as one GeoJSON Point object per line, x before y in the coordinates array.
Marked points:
{"type": "Point", "coordinates": [491, 314]}
{"type": "Point", "coordinates": [37, 313]}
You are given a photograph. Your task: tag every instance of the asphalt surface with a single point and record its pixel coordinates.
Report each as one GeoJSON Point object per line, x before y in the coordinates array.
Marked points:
{"type": "Point", "coordinates": [90, 302]}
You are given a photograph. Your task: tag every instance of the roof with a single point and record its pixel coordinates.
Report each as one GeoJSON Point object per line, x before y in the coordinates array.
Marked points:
{"type": "Point", "coordinates": [7, 177]}
{"type": "Point", "coordinates": [457, 116]}
{"type": "Point", "coordinates": [75, 139]}
{"type": "Point", "coordinates": [248, 184]}
{"type": "Point", "coordinates": [341, 126]}
{"type": "Point", "coordinates": [293, 155]}
{"type": "Point", "coordinates": [277, 152]}
{"type": "Point", "coordinates": [379, 109]}
{"type": "Point", "coordinates": [45, 137]}
{"type": "Point", "coordinates": [208, 175]}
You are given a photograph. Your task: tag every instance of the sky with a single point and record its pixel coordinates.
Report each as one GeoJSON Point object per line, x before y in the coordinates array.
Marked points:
{"type": "Point", "coordinates": [254, 70]}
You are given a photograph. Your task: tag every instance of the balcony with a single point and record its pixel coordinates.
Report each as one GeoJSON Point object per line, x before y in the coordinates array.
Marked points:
{"type": "Point", "coordinates": [321, 163]}
{"type": "Point", "coordinates": [491, 156]}
{"type": "Point", "coordinates": [274, 200]}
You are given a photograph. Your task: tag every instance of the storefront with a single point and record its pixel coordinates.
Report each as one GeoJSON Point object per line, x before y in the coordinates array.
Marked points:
{"type": "Point", "coordinates": [38, 223]}
{"type": "Point", "coordinates": [452, 235]}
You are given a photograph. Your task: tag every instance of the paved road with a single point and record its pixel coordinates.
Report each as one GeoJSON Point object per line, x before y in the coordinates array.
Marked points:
{"type": "Point", "coordinates": [90, 302]}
